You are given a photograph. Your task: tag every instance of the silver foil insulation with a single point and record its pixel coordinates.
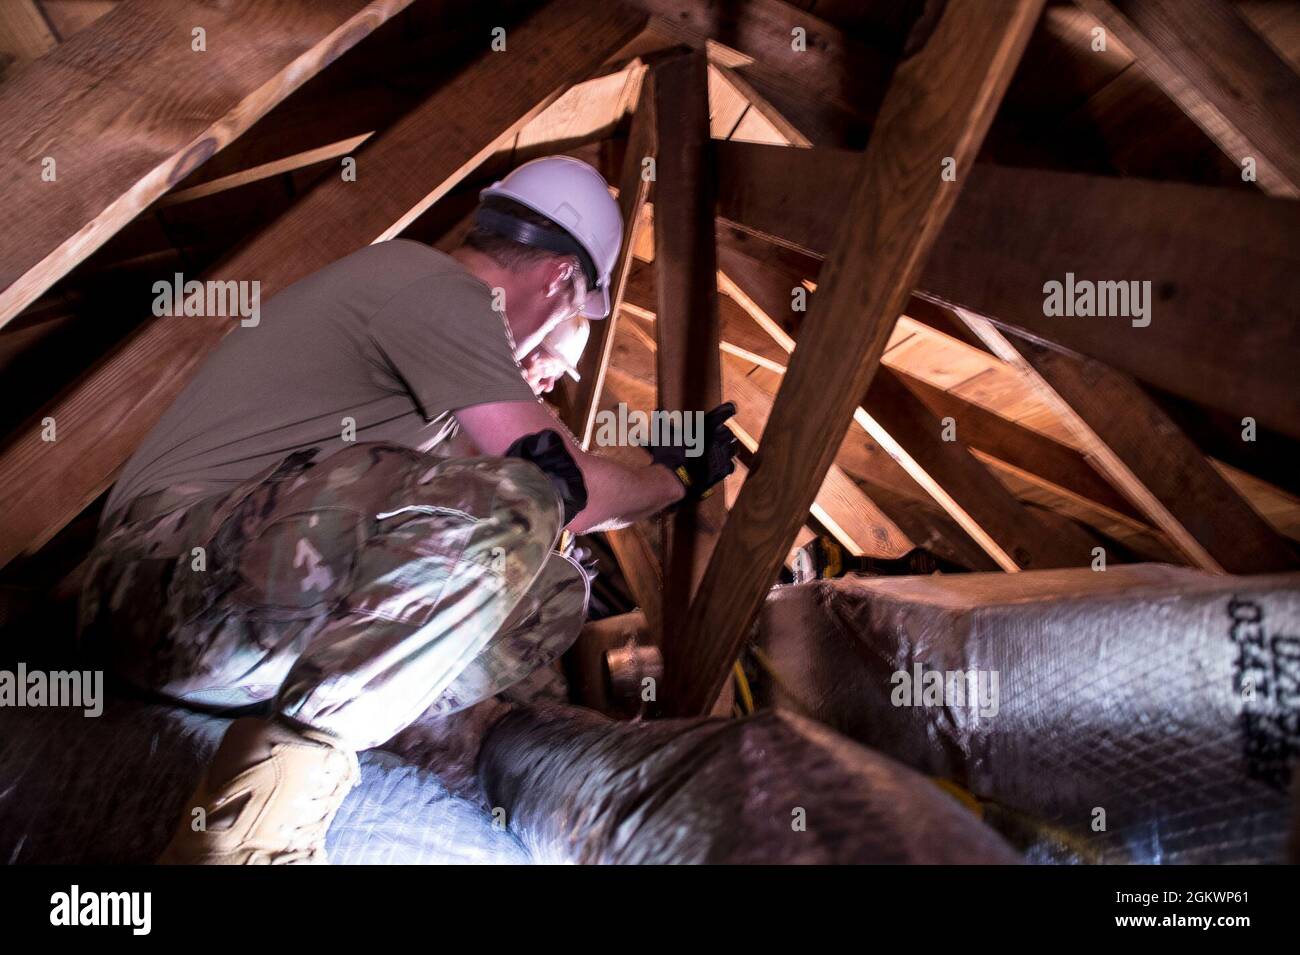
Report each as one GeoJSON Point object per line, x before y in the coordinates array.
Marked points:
{"type": "Point", "coordinates": [577, 787]}
{"type": "Point", "coordinates": [1144, 713]}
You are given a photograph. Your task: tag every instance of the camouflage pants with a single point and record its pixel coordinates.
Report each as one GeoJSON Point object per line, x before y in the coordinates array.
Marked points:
{"type": "Point", "coordinates": [358, 592]}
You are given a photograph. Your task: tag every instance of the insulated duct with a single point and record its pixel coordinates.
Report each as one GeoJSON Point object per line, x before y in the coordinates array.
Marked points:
{"type": "Point", "coordinates": [1144, 713]}
{"type": "Point", "coordinates": [772, 788]}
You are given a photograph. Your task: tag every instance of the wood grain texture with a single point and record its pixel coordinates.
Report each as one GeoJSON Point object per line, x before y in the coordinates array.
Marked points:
{"type": "Point", "coordinates": [1038, 457]}
{"type": "Point", "coordinates": [105, 415]}
{"type": "Point", "coordinates": [939, 104]}
{"type": "Point", "coordinates": [633, 188]}
{"type": "Point", "coordinates": [127, 108]}
{"type": "Point", "coordinates": [688, 371]}
{"type": "Point", "coordinates": [830, 90]}
{"type": "Point", "coordinates": [632, 550]}
{"type": "Point", "coordinates": [1219, 261]}
{"type": "Point", "coordinates": [1232, 83]}
{"type": "Point", "coordinates": [908, 516]}
{"type": "Point", "coordinates": [981, 508]}
{"type": "Point", "coordinates": [845, 511]}
{"type": "Point", "coordinates": [1003, 527]}
{"type": "Point", "coordinates": [25, 34]}
{"type": "Point", "coordinates": [1149, 460]}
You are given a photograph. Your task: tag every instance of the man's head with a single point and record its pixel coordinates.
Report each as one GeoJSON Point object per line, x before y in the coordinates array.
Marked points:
{"type": "Point", "coordinates": [547, 235]}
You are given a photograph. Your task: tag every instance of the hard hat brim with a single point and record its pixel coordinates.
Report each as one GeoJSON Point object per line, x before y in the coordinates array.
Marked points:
{"type": "Point", "coordinates": [597, 303]}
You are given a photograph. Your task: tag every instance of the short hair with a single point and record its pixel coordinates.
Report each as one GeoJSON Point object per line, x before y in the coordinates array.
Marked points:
{"type": "Point", "coordinates": [507, 252]}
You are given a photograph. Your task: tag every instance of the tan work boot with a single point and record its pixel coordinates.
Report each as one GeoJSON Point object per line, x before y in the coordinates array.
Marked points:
{"type": "Point", "coordinates": [268, 798]}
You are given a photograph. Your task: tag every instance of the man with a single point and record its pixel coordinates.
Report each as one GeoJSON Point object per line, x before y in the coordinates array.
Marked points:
{"type": "Point", "coordinates": [289, 533]}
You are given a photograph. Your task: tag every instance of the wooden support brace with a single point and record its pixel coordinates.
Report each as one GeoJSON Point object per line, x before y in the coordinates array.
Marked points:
{"type": "Point", "coordinates": [689, 375]}
{"type": "Point", "coordinates": [1003, 527]}
{"type": "Point", "coordinates": [633, 188]}
{"type": "Point", "coordinates": [1148, 459]}
{"type": "Point", "coordinates": [1208, 59]}
{"type": "Point", "coordinates": [939, 105]}
{"type": "Point", "coordinates": [124, 110]}
{"type": "Point", "coordinates": [911, 434]}
{"type": "Point", "coordinates": [1213, 261]}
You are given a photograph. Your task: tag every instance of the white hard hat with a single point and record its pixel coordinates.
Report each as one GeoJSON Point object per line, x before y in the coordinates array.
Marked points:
{"type": "Point", "coordinates": [576, 197]}
{"type": "Point", "coordinates": [566, 341]}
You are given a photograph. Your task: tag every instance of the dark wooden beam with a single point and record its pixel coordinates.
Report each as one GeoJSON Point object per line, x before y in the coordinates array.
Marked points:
{"type": "Point", "coordinates": [830, 88]}
{"type": "Point", "coordinates": [633, 188]}
{"type": "Point", "coordinates": [1003, 527]}
{"type": "Point", "coordinates": [1036, 456]}
{"type": "Point", "coordinates": [688, 370]}
{"type": "Point", "coordinates": [1219, 262]}
{"type": "Point", "coordinates": [912, 435]}
{"type": "Point", "coordinates": [126, 108]}
{"type": "Point", "coordinates": [104, 416]}
{"type": "Point", "coordinates": [1148, 459]}
{"type": "Point", "coordinates": [939, 104]}
{"type": "Point", "coordinates": [750, 373]}
{"type": "Point", "coordinates": [1208, 59]}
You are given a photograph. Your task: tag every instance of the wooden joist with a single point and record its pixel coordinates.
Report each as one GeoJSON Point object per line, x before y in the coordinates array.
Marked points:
{"type": "Point", "coordinates": [840, 505]}
{"type": "Point", "coordinates": [105, 415]}
{"type": "Point", "coordinates": [1003, 527]}
{"type": "Point", "coordinates": [1231, 82]}
{"type": "Point", "coordinates": [1040, 459]}
{"type": "Point", "coordinates": [1148, 459]}
{"type": "Point", "coordinates": [939, 104]}
{"type": "Point", "coordinates": [829, 86]}
{"type": "Point", "coordinates": [688, 372]}
{"type": "Point", "coordinates": [913, 435]}
{"type": "Point", "coordinates": [843, 509]}
{"type": "Point", "coordinates": [127, 108]}
{"type": "Point", "coordinates": [1219, 262]}
{"type": "Point", "coordinates": [633, 187]}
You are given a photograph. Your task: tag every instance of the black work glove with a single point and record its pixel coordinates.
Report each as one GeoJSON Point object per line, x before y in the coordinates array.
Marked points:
{"type": "Point", "coordinates": [547, 450]}
{"type": "Point", "coordinates": [699, 474]}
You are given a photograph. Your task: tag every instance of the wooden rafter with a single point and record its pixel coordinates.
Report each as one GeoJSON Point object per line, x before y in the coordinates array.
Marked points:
{"type": "Point", "coordinates": [1003, 527]}
{"type": "Point", "coordinates": [631, 547]}
{"type": "Point", "coordinates": [122, 129]}
{"type": "Point", "coordinates": [1232, 83]}
{"type": "Point", "coordinates": [1143, 453]}
{"type": "Point", "coordinates": [939, 104]}
{"type": "Point", "coordinates": [842, 508]}
{"type": "Point", "coordinates": [633, 188]}
{"type": "Point", "coordinates": [830, 88]}
{"type": "Point", "coordinates": [1216, 260]}
{"type": "Point", "coordinates": [944, 468]}
{"type": "Point", "coordinates": [688, 370]}
{"type": "Point", "coordinates": [1039, 459]}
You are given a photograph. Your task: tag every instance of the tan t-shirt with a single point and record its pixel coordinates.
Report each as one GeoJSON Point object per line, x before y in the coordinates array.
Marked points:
{"type": "Point", "coordinates": [395, 336]}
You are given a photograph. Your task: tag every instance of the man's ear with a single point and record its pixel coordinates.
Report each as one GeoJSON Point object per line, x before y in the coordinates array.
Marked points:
{"type": "Point", "coordinates": [559, 276]}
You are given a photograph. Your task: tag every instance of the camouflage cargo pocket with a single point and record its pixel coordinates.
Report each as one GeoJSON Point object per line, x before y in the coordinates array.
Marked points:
{"type": "Point", "coordinates": [301, 562]}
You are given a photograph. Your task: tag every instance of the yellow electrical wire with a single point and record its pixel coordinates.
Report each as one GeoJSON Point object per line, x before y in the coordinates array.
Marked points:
{"type": "Point", "coordinates": [742, 687]}
{"type": "Point", "coordinates": [766, 664]}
